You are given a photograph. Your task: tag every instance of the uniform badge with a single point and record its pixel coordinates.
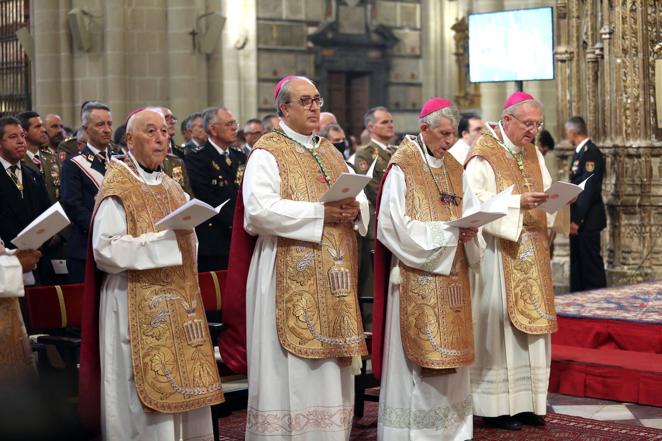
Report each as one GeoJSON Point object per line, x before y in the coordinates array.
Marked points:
{"type": "Point", "coordinates": [215, 165]}
{"type": "Point", "coordinates": [228, 161]}
{"type": "Point", "coordinates": [90, 157]}
{"type": "Point", "coordinates": [575, 167]}
{"type": "Point", "coordinates": [590, 166]}
{"type": "Point", "coordinates": [178, 175]}
{"type": "Point", "coordinates": [240, 174]}
{"type": "Point", "coordinates": [363, 165]}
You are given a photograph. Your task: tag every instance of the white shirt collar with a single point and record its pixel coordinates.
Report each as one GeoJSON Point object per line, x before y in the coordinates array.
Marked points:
{"type": "Point", "coordinates": [382, 145]}
{"type": "Point", "coordinates": [6, 164]}
{"type": "Point", "coordinates": [30, 154]}
{"type": "Point", "coordinates": [153, 178]}
{"type": "Point", "coordinates": [507, 143]}
{"type": "Point", "coordinates": [434, 162]}
{"type": "Point", "coordinates": [307, 141]}
{"type": "Point", "coordinates": [195, 142]}
{"type": "Point", "coordinates": [218, 149]}
{"type": "Point", "coordinates": [95, 150]}
{"type": "Point", "coordinates": [581, 145]}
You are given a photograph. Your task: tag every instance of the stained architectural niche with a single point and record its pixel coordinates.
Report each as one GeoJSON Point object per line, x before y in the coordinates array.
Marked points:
{"type": "Point", "coordinates": [605, 71]}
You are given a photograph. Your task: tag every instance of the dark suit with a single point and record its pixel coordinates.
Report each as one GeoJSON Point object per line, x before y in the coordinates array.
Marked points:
{"type": "Point", "coordinates": [17, 211]}
{"type": "Point", "coordinates": [77, 195]}
{"type": "Point", "coordinates": [586, 264]}
{"type": "Point", "coordinates": [214, 179]}
{"type": "Point", "coordinates": [176, 150]}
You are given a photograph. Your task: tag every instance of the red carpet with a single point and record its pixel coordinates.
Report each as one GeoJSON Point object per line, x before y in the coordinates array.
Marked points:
{"type": "Point", "coordinates": [559, 427]}
{"type": "Point", "coordinates": [609, 344]}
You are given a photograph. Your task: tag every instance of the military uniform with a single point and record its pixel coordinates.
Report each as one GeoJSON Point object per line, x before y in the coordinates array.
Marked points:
{"type": "Point", "coordinates": [67, 148]}
{"type": "Point", "coordinates": [82, 176]}
{"type": "Point", "coordinates": [177, 151]}
{"type": "Point", "coordinates": [586, 265]}
{"type": "Point", "coordinates": [48, 165]}
{"type": "Point", "coordinates": [214, 179]}
{"type": "Point", "coordinates": [362, 162]}
{"type": "Point", "coordinates": [174, 167]}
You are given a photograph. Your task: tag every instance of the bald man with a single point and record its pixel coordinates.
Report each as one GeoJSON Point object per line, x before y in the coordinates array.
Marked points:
{"type": "Point", "coordinates": [165, 396]}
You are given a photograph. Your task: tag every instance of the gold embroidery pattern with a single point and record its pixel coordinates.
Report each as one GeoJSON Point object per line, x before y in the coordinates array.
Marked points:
{"type": "Point", "coordinates": [292, 423]}
{"type": "Point", "coordinates": [435, 311]}
{"type": "Point", "coordinates": [317, 311]}
{"type": "Point", "coordinates": [16, 359]}
{"type": "Point", "coordinates": [526, 265]}
{"type": "Point", "coordinates": [173, 361]}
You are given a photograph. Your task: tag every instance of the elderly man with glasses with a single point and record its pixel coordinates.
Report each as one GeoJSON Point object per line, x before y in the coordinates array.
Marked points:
{"type": "Point", "coordinates": [514, 299]}
{"type": "Point", "coordinates": [293, 287]}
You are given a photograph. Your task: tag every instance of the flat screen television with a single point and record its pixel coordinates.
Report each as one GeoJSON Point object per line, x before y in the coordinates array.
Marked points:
{"type": "Point", "coordinates": [515, 45]}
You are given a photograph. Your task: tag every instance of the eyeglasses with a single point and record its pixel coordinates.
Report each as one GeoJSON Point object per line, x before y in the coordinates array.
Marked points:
{"type": "Point", "coordinates": [229, 124]}
{"type": "Point", "coordinates": [530, 124]}
{"type": "Point", "coordinates": [307, 101]}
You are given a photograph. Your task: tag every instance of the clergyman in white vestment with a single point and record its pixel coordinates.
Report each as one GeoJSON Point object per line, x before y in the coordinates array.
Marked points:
{"type": "Point", "coordinates": [300, 356]}
{"type": "Point", "coordinates": [512, 324]}
{"type": "Point", "coordinates": [116, 253]}
{"type": "Point", "coordinates": [425, 392]}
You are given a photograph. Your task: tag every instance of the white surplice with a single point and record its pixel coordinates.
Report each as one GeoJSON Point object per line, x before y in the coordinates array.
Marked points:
{"type": "Point", "coordinates": [289, 398]}
{"type": "Point", "coordinates": [511, 372]}
{"type": "Point", "coordinates": [11, 273]}
{"type": "Point", "coordinates": [412, 407]}
{"type": "Point", "coordinates": [460, 150]}
{"type": "Point", "coordinates": [123, 416]}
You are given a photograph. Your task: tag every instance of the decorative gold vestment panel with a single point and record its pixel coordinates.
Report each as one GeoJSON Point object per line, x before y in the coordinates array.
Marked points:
{"type": "Point", "coordinates": [16, 354]}
{"type": "Point", "coordinates": [526, 265]}
{"type": "Point", "coordinates": [435, 310]}
{"type": "Point", "coordinates": [317, 310]}
{"type": "Point", "coordinates": [173, 359]}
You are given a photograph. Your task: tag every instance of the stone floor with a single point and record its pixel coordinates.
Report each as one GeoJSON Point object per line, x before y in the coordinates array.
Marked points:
{"type": "Point", "coordinates": [592, 408]}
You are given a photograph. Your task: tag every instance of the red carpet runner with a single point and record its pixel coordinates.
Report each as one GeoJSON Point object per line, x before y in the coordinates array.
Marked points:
{"type": "Point", "coordinates": [609, 344]}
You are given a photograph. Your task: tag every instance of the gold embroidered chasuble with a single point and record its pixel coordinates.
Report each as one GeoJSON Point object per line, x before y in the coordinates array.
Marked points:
{"type": "Point", "coordinates": [15, 354]}
{"type": "Point", "coordinates": [171, 350]}
{"type": "Point", "coordinates": [317, 310]}
{"type": "Point", "coordinates": [526, 265]}
{"type": "Point", "coordinates": [435, 310]}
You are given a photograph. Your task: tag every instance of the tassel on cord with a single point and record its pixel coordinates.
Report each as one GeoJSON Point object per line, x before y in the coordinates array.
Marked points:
{"type": "Point", "coordinates": [357, 364]}
{"type": "Point", "coordinates": [395, 275]}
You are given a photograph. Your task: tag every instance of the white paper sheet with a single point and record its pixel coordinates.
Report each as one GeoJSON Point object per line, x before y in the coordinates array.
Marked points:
{"type": "Point", "coordinates": [59, 266]}
{"type": "Point", "coordinates": [189, 215]}
{"type": "Point", "coordinates": [45, 226]}
{"type": "Point", "coordinates": [348, 185]}
{"type": "Point", "coordinates": [491, 210]}
{"type": "Point", "coordinates": [560, 193]}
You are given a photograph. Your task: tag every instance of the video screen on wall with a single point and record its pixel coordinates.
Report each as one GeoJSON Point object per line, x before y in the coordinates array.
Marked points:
{"type": "Point", "coordinates": [515, 45]}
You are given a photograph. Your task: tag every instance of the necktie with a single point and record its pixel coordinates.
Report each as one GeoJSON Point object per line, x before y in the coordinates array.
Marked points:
{"type": "Point", "coordinates": [12, 171]}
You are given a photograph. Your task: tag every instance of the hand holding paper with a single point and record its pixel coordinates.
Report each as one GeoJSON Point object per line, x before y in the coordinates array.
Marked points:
{"type": "Point", "coordinates": [560, 194]}
{"type": "Point", "coordinates": [189, 215]}
{"type": "Point", "coordinates": [45, 226]}
{"type": "Point", "coordinates": [491, 210]}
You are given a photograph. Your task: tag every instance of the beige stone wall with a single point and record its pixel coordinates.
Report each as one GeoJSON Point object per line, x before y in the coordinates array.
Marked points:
{"type": "Point", "coordinates": [142, 52]}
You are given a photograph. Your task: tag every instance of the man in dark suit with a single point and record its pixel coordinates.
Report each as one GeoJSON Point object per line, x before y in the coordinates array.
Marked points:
{"type": "Point", "coordinates": [587, 214]}
{"type": "Point", "coordinates": [23, 195]}
{"type": "Point", "coordinates": [82, 175]}
{"type": "Point", "coordinates": [215, 170]}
